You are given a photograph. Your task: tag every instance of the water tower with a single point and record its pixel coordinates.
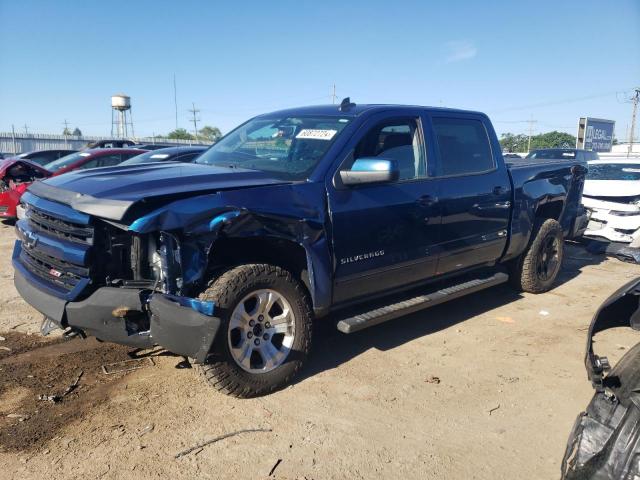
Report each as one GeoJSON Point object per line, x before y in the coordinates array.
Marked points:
{"type": "Point", "coordinates": [121, 123]}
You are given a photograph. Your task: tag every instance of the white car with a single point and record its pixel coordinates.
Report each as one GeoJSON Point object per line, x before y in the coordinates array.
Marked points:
{"type": "Point", "coordinates": [612, 197]}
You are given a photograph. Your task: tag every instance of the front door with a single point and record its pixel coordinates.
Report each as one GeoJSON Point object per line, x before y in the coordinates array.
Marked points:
{"type": "Point", "coordinates": [384, 234]}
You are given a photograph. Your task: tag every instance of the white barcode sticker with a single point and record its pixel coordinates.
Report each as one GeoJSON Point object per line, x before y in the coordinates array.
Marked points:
{"type": "Point", "coordinates": [312, 133]}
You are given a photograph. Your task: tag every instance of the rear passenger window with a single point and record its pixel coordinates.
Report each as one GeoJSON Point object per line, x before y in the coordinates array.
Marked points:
{"type": "Point", "coordinates": [464, 146]}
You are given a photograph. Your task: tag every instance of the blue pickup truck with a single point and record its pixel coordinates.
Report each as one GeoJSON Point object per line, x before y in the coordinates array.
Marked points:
{"type": "Point", "coordinates": [359, 213]}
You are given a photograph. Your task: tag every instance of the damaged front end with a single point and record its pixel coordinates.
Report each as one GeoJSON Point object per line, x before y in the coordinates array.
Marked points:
{"type": "Point", "coordinates": [99, 278]}
{"type": "Point", "coordinates": [605, 440]}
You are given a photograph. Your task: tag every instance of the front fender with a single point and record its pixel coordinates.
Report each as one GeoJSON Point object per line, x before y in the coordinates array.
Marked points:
{"type": "Point", "coordinates": [294, 212]}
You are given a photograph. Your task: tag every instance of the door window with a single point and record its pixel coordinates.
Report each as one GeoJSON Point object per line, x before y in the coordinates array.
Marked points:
{"type": "Point", "coordinates": [399, 141]}
{"type": "Point", "coordinates": [110, 160]}
{"type": "Point", "coordinates": [90, 164]}
{"type": "Point", "coordinates": [464, 147]}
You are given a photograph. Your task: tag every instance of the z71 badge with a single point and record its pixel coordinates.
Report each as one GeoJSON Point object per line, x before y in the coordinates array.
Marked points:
{"type": "Point", "coordinates": [363, 256]}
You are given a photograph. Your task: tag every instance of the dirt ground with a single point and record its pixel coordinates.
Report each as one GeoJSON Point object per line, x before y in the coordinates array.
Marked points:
{"type": "Point", "coordinates": [486, 387]}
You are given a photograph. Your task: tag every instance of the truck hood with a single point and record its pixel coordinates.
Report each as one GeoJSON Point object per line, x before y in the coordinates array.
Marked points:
{"type": "Point", "coordinates": [110, 192]}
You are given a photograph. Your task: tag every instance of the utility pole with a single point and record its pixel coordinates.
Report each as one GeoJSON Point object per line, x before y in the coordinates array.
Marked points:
{"type": "Point", "coordinates": [66, 129]}
{"type": "Point", "coordinates": [531, 123]}
{"type": "Point", "coordinates": [26, 129]}
{"type": "Point", "coordinates": [195, 112]}
{"type": "Point", "coordinates": [333, 95]}
{"type": "Point", "coordinates": [634, 100]}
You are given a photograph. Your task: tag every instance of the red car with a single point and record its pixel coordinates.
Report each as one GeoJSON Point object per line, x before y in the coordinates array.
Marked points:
{"type": "Point", "coordinates": [17, 174]}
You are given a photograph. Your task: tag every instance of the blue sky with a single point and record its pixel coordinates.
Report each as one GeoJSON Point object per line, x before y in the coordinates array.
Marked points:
{"type": "Point", "coordinates": [552, 61]}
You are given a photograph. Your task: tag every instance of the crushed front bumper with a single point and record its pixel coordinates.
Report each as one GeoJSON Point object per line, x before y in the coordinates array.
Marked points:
{"type": "Point", "coordinates": [182, 325]}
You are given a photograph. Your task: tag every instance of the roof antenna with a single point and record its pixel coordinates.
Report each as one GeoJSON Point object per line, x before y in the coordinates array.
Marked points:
{"type": "Point", "coordinates": [346, 104]}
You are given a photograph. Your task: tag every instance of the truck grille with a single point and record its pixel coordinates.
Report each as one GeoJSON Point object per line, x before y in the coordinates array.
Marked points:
{"type": "Point", "coordinates": [62, 274]}
{"type": "Point", "coordinates": [56, 227]}
{"type": "Point", "coordinates": [56, 246]}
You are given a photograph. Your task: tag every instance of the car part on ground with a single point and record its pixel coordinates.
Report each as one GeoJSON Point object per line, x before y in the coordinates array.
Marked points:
{"type": "Point", "coordinates": [605, 440]}
{"type": "Point", "coordinates": [621, 251]}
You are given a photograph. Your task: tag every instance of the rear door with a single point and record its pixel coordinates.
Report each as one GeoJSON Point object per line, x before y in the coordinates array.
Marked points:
{"type": "Point", "coordinates": [384, 234]}
{"type": "Point", "coordinates": [475, 191]}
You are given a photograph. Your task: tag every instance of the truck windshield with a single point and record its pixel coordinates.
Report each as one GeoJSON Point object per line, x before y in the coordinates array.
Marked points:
{"type": "Point", "coordinates": [614, 171]}
{"type": "Point", "coordinates": [288, 147]}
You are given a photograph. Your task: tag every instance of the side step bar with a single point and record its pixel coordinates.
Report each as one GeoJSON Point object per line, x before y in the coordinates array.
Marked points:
{"type": "Point", "coordinates": [411, 305]}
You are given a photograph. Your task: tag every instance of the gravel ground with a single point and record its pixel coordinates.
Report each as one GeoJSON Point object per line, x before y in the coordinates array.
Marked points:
{"type": "Point", "coordinates": [486, 387]}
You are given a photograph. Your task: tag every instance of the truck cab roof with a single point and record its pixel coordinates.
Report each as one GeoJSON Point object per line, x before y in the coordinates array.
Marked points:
{"type": "Point", "coordinates": [355, 110]}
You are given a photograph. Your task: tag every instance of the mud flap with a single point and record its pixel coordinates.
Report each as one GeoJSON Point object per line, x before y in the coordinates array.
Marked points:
{"type": "Point", "coordinates": [184, 326]}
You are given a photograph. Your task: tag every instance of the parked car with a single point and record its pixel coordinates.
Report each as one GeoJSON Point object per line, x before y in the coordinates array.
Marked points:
{"type": "Point", "coordinates": [92, 158]}
{"type": "Point", "coordinates": [158, 146]}
{"type": "Point", "coordinates": [566, 153]}
{"type": "Point", "coordinates": [42, 157]}
{"type": "Point", "coordinates": [171, 154]}
{"type": "Point", "coordinates": [113, 143]}
{"type": "Point", "coordinates": [18, 174]}
{"type": "Point", "coordinates": [290, 217]}
{"type": "Point", "coordinates": [605, 439]}
{"type": "Point", "coordinates": [612, 198]}
{"type": "Point", "coordinates": [511, 155]}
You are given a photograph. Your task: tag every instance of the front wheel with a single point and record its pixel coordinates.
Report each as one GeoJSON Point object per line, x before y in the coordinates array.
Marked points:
{"type": "Point", "coordinates": [265, 334]}
{"type": "Point", "coordinates": [538, 267]}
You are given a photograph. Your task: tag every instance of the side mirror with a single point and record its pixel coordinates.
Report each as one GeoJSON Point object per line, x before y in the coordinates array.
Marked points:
{"type": "Point", "coordinates": [370, 170]}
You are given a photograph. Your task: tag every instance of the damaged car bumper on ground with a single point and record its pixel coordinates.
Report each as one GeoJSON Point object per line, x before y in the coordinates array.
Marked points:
{"type": "Point", "coordinates": [141, 318]}
{"type": "Point", "coordinates": [605, 440]}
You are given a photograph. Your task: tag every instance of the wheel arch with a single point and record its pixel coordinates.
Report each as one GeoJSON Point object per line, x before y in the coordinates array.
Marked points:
{"type": "Point", "coordinates": [303, 260]}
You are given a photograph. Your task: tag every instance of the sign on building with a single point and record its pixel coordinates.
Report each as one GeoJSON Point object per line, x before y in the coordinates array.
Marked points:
{"type": "Point", "coordinates": [595, 134]}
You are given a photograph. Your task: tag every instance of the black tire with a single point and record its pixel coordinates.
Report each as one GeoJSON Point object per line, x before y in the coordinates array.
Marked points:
{"type": "Point", "coordinates": [527, 273]}
{"type": "Point", "coordinates": [221, 369]}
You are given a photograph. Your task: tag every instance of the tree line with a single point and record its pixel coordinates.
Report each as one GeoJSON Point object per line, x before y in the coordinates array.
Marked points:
{"type": "Point", "coordinates": [511, 142]}
{"type": "Point", "coordinates": [206, 133]}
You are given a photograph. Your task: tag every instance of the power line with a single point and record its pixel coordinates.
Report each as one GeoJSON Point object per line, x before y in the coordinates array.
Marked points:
{"type": "Point", "coordinates": [334, 97]}
{"type": "Point", "coordinates": [556, 102]}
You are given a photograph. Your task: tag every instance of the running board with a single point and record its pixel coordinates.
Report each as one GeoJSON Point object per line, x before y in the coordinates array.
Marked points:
{"type": "Point", "coordinates": [411, 305]}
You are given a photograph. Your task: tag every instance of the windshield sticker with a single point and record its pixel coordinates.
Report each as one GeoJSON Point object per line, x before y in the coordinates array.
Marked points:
{"type": "Point", "coordinates": [159, 155]}
{"type": "Point", "coordinates": [315, 134]}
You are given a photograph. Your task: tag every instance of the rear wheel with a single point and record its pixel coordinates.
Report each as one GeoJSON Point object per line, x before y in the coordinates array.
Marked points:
{"type": "Point", "coordinates": [538, 267]}
{"type": "Point", "coordinates": [265, 334]}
